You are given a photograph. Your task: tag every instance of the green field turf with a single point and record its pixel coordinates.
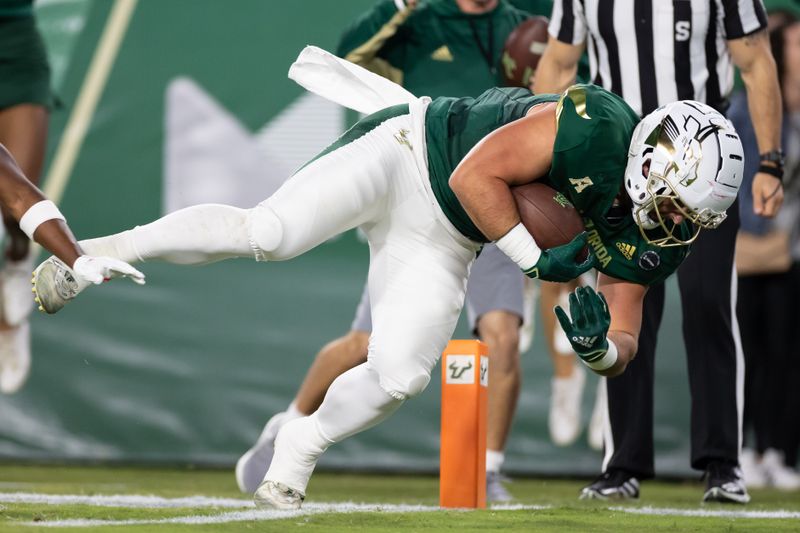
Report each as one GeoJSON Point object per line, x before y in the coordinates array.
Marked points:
{"type": "Point", "coordinates": [557, 508]}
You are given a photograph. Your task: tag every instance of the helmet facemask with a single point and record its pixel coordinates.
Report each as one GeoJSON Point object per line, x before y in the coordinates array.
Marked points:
{"type": "Point", "coordinates": [666, 159]}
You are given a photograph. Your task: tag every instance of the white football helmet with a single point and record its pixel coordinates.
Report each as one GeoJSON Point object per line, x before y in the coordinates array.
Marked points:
{"type": "Point", "coordinates": [686, 153]}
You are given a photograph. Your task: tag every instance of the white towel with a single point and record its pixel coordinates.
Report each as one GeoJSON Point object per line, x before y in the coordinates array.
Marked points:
{"type": "Point", "coordinates": [346, 83]}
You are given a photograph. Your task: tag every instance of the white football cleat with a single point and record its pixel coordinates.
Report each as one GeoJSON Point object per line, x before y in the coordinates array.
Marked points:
{"type": "Point", "coordinates": [753, 472]}
{"type": "Point", "coordinates": [252, 466]}
{"type": "Point", "coordinates": [15, 357]}
{"type": "Point", "coordinates": [779, 475]}
{"type": "Point", "coordinates": [17, 303]}
{"type": "Point", "coordinates": [274, 495]}
{"type": "Point", "coordinates": [54, 284]}
{"type": "Point", "coordinates": [564, 419]}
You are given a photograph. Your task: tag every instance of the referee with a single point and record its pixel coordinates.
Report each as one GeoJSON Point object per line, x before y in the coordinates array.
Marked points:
{"type": "Point", "coordinates": [652, 52]}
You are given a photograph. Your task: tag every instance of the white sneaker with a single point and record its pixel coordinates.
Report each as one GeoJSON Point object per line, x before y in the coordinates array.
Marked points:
{"type": "Point", "coordinates": [15, 357]}
{"type": "Point", "coordinates": [755, 477]}
{"type": "Point", "coordinates": [599, 419]}
{"type": "Point", "coordinates": [54, 284]}
{"type": "Point", "coordinates": [780, 476]}
{"type": "Point", "coordinates": [496, 492]}
{"type": "Point", "coordinates": [274, 495]}
{"type": "Point", "coordinates": [252, 466]}
{"type": "Point", "coordinates": [564, 420]}
{"type": "Point", "coordinates": [17, 303]}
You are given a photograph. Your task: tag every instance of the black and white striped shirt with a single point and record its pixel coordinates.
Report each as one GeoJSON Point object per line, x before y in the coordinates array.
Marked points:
{"type": "Point", "coordinates": [652, 52]}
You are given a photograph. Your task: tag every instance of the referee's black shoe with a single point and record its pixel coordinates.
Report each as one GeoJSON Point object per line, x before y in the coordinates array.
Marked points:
{"type": "Point", "coordinates": [724, 484]}
{"type": "Point", "coordinates": [615, 484]}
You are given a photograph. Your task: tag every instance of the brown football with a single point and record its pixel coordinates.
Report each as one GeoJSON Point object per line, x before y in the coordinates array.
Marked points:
{"type": "Point", "coordinates": [548, 215]}
{"type": "Point", "coordinates": [522, 51]}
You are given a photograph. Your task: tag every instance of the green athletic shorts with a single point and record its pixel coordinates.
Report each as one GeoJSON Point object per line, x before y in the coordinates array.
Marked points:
{"type": "Point", "coordinates": [24, 70]}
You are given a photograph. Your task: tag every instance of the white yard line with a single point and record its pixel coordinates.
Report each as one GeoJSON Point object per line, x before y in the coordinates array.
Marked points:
{"type": "Point", "coordinates": [241, 516]}
{"type": "Point", "coordinates": [665, 511]}
{"type": "Point", "coordinates": [131, 501]}
{"type": "Point", "coordinates": [248, 512]}
{"type": "Point", "coordinates": [245, 510]}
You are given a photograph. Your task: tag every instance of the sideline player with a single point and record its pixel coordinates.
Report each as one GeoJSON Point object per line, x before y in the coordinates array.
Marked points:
{"type": "Point", "coordinates": [42, 222]}
{"type": "Point", "coordinates": [429, 181]}
{"type": "Point", "coordinates": [25, 102]}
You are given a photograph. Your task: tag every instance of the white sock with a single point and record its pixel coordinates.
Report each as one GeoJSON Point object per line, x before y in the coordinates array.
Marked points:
{"type": "Point", "coordinates": [494, 460]}
{"type": "Point", "coordinates": [355, 401]}
{"type": "Point", "coordinates": [195, 235]}
{"type": "Point", "coordinates": [297, 448]}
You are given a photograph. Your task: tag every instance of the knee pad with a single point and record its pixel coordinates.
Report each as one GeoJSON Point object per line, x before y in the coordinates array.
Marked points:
{"type": "Point", "coordinates": [264, 230]}
{"type": "Point", "coordinates": [401, 382]}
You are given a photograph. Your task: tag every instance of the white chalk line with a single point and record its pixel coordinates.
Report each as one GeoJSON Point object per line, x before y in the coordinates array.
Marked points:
{"type": "Point", "coordinates": [261, 515]}
{"type": "Point", "coordinates": [241, 516]}
{"type": "Point", "coordinates": [710, 513]}
{"type": "Point", "coordinates": [246, 511]}
{"type": "Point", "coordinates": [132, 501]}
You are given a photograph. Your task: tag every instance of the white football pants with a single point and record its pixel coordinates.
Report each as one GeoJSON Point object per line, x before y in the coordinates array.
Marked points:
{"type": "Point", "coordinates": [419, 263]}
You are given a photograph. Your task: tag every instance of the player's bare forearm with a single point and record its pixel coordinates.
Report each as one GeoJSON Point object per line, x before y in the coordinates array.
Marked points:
{"type": "Point", "coordinates": [517, 153]}
{"type": "Point", "coordinates": [627, 346]}
{"type": "Point", "coordinates": [17, 195]}
{"type": "Point", "coordinates": [625, 301]}
{"type": "Point", "coordinates": [488, 202]}
{"type": "Point", "coordinates": [557, 68]}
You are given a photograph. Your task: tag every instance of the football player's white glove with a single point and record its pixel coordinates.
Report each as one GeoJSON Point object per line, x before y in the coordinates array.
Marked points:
{"type": "Point", "coordinates": [99, 269]}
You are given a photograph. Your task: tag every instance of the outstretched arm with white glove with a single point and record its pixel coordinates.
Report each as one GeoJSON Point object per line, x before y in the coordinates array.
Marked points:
{"type": "Point", "coordinates": [41, 220]}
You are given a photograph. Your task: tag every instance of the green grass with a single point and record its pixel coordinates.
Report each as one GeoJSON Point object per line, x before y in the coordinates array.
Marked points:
{"type": "Point", "coordinates": [564, 511]}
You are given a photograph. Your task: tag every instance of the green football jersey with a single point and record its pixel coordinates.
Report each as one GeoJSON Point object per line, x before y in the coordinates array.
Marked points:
{"type": "Point", "coordinates": [594, 128]}
{"type": "Point", "coordinates": [454, 125]}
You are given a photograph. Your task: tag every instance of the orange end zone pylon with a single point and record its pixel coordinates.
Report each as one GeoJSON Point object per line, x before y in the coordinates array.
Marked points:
{"type": "Point", "coordinates": [462, 457]}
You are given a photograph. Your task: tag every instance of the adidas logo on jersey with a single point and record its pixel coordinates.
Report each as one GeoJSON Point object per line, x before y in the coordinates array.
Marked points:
{"type": "Point", "coordinates": [626, 249]}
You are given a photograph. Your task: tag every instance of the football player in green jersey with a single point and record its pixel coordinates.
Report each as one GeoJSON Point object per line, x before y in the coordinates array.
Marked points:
{"type": "Point", "coordinates": [429, 182]}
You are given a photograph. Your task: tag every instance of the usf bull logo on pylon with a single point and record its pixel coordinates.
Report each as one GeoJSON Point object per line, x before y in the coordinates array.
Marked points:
{"type": "Point", "coordinates": [460, 369]}
{"type": "Point", "coordinates": [462, 468]}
